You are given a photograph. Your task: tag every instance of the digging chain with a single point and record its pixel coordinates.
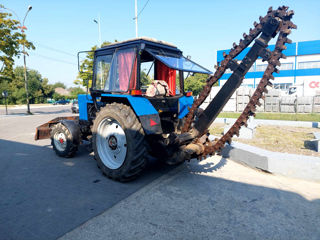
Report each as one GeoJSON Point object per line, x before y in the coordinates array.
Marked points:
{"type": "Point", "coordinates": [210, 148]}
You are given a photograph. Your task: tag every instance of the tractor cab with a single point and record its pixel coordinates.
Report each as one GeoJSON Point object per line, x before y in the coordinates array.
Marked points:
{"type": "Point", "coordinates": [143, 67]}
{"type": "Point", "coordinates": [132, 65]}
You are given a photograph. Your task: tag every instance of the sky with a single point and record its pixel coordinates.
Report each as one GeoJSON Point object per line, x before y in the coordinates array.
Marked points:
{"type": "Point", "coordinates": [61, 28]}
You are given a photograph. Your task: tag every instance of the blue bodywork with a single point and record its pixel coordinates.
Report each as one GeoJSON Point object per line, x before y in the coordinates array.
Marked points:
{"type": "Point", "coordinates": [142, 108]}
{"type": "Point", "coordinates": [140, 105]}
{"type": "Point", "coordinates": [184, 103]}
{"type": "Point", "coordinates": [83, 101]}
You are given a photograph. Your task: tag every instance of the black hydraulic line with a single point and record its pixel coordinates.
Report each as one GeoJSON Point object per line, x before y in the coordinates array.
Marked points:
{"type": "Point", "coordinates": [206, 118]}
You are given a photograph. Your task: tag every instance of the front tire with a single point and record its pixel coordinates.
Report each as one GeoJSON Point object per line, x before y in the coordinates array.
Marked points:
{"type": "Point", "coordinates": [62, 141]}
{"type": "Point", "coordinates": [118, 142]}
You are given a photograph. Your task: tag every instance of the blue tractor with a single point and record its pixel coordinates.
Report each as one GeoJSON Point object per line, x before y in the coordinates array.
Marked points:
{"type": "Point", "coordinates": [129, 116]}
{"type": "Point", "coordinates": [124, 117]}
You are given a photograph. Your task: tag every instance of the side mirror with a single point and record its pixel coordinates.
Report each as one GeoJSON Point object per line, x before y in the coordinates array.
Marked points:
{"type": "Point", "coordinates": [78, 56]}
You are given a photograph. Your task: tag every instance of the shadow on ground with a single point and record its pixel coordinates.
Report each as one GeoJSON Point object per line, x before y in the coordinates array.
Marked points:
{"type": "Point", "coordinates": [43, 196]}
{"type": "Point", "coordinates": [22, 112]}
{"type": "Point", "coordinates": [189, 205]}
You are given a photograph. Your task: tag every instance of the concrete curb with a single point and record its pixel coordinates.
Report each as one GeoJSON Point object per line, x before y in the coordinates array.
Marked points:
{"type": "Point", "coordinates": [292, 165]}
{"type": "Point", "coordinates": [273, 122]}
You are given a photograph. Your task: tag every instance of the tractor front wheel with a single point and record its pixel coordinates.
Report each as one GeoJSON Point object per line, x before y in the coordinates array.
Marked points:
{"type": "Point", "coordinates": [62, 141]}
{"type": "Point", "coordinates": [118, 142]}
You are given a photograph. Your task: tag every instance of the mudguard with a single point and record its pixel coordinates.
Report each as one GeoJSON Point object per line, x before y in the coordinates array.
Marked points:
{"type": "Point", "coordinates": [73, 127]}
{"type": "Point", "coordinates": [142, 107]}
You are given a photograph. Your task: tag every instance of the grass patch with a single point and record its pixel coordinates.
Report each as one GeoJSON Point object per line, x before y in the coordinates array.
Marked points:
{"type": "Point", "coordinates": [310, 117]}
{"type": "Point", "coordinates": [284, 139]}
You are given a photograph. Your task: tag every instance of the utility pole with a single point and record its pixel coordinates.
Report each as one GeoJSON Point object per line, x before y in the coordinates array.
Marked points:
{"type": "Point", "coordinates": [5, 95]}
{"type": "Point", "coordinates": [25, 63]}
{"type": "Point", "coordinates": [136, 16]}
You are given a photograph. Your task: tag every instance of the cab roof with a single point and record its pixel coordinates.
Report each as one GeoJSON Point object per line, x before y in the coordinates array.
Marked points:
{"type": "Point", "coordinates": [149, 42]}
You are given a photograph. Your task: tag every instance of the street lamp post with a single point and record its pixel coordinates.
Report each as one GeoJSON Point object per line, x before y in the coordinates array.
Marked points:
{"type": "Point", "coordinates": [99, 30]}
{"type": "Point", "coordinates": [22, 28]}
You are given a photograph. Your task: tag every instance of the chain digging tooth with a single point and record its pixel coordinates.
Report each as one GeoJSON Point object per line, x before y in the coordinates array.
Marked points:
{"type": "Point", "coordinates": [244, 35]}
{"type": "Point", "coordinates": [270, 10]}
{"type": "Point", "coordinates": [276, 70]}
{"type": "Point", "coordinates": [253, 114]}
{"type": "Point", "coordinates": [236, 133]}
{"type": "Point", "coordinates": [292, 25]}
{"type": "Point", "coordinates": [260, 19]}
{"type": "Point", "coordinates": [234, 45]}
{"type": "Point", "coordinates": [290, 13]}
{"type": "Point", "coordinates": [283, 47]}
{"type": "Point", "coordinates": [288, 40]}
{"type": "Point", "coordinates": [271, 77]}
{"type": "Point", "coordinates": [287, 31]}
{"type": "Point", "coordinates": [224, 54]}
{"type": "Point", "coordinates": [283, 56]}
{"type": "Point", "coordinates": [269, 84]}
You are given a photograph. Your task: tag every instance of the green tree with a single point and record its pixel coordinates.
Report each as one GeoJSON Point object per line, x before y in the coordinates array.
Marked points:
{"type": "Point", "coordinates": [46, 88]}
{"type": "Point", "coordinates": [57, 96]}
{"type": "Point", "coordinates": [86, 67]}
{"type": "Point", "coordinates": [39, 88]}
{"type": "Point", "coordinates": [10, 42]}
{"type": "Point", "coordinates": [75, 91]}
{"type": "Point", "coordinates": [195, 83]}
{"type": "Point", "coordinates": [145, 80]}
{"type": "Point", "coordinates": [59, 85]}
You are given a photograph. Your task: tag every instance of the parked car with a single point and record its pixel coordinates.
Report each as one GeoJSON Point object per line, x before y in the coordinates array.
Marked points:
{"type": "Point", "coordinates": [75, 107]}
{"type": "Point", "coordinates": [63, 102]}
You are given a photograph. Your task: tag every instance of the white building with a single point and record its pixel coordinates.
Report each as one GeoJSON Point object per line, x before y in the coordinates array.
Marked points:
{"type": "Point", "coordinates": [301, 68]}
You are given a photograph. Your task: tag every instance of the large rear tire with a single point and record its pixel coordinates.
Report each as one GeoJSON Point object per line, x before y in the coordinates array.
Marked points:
{"type": "Point", "coordinates": [118, 142]}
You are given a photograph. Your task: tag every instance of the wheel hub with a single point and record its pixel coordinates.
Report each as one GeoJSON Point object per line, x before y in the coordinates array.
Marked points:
{"type": "Point", "coordinates": [113, 143]}
{"type": "Point", "coordinates": [60, 141]}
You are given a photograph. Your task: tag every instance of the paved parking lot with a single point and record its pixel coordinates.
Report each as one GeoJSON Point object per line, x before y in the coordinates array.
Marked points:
{"type": "Point", "coordinates": [43, 196]}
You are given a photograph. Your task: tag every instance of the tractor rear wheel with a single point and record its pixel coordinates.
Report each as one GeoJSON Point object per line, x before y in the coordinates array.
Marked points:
{"type": "Point", "coordinates": [118, 142]}
{"type": "Point", "coordinates": [62, 141]}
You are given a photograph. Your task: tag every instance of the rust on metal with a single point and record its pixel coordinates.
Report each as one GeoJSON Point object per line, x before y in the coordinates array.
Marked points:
{"type": "Point", "coordinates": [43, 131]}
{"type": "Point", "coordinates": [210, 148]}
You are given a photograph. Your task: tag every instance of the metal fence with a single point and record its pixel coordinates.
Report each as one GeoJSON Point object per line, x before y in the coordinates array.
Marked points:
{"type": "Point", "coordinates": [273, 102]}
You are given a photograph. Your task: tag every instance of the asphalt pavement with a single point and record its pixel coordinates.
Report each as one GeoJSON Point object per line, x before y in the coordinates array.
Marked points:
{"type": "Point", "coordinates": [216, 199]}
{"type": "Point", "coordinates": [44, 196]}
{"type": "Point", "coordinates": [35, 109]}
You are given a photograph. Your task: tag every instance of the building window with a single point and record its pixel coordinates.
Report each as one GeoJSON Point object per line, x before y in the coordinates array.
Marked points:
{"type": "Point", "coordinates": [282, 86]}
{"type": "Point", "coordinates": [261, 67]}
{"type": "Point", "coordinates": [247, 85]}
{"type": "Point", "coordinates": [286, 66]}
{"type": "Point", "coordinates": [307, 65]}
